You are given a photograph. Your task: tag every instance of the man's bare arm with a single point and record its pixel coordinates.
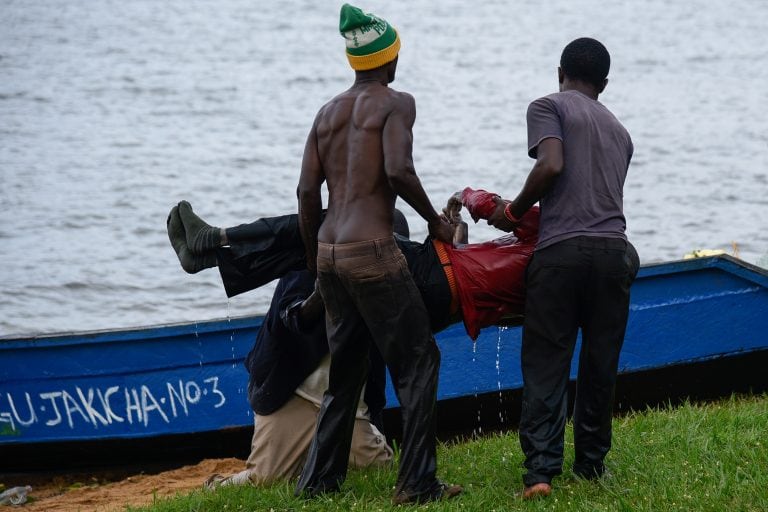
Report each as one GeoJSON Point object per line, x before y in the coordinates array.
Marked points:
{"type": "Point", "coordinates": [397, 144]}
{"type": "Point", "coordinates": [310, 199]}
{"type": "Point", "coordinates": [549, 164]}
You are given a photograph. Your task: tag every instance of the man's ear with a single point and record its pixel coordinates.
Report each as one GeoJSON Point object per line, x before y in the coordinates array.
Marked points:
{"type": "Point", "coordinates": [560, 75]}
{"type": "Point", "coordinates": [605, 82]}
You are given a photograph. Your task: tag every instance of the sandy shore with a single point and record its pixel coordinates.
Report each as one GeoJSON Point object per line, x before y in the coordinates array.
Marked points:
{"type": "Point", "coordinates": [111, 490]}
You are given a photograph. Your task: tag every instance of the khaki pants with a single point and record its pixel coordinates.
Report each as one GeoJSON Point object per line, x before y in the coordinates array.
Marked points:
{"type": "Point", "coordinates": [281, 441]}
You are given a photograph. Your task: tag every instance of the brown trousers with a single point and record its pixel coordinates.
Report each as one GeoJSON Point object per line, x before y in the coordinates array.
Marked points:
{"type": "Point", "coordinates": [370, 296]}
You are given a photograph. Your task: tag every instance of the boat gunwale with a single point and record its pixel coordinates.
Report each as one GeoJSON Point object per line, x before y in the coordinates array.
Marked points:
{"type": "Point", "coordinates": [724, 262]}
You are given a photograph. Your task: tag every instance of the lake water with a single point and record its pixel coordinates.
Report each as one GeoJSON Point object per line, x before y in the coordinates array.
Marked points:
{"type": "Point", "coordinates": [111, 112]}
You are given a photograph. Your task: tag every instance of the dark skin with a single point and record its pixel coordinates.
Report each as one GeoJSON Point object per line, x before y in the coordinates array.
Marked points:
{"type": "Point", "coordinates": [548, 166]}
{"type": "Point", "coordinates": [361, 144]}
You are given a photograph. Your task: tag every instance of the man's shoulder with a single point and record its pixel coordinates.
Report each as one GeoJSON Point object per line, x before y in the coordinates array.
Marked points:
{"type": "Point", "coordinates": [549, 101]}
{"type": "Point", "coordinates": [397, 99]}
{"type": "Point", "coordinates": [401, 95]}
{"type": "Point", "coordinates": [567, 102]}
{"type": "Point", "coordinates": [331, 103]}
{"type": "Point", "coordinates": [389, 101]}
{"type": "Point", "coordinates": [549, 98]}
{"type": "Point", "coordinates": [402, 102]}
{"type": "Point", "coordinates": [331, 107]}
{"type": "Point", "coordinates": [544, 107]}
{"type": "Point", "coordinates": [552, 100]}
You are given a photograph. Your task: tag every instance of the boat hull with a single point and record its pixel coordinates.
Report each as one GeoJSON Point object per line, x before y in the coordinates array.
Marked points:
{"type": "Point", "coordinates": [189, 379]}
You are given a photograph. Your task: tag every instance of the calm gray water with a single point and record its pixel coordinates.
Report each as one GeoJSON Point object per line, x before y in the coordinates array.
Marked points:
{"type": "Point", "coordinates": [111, 112]}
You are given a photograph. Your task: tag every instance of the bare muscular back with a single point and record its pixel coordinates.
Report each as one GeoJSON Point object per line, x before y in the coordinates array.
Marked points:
{"type": "Point", "coordinates": [361, 146]}
{"type": "Point", "coordinates": [350, 131]}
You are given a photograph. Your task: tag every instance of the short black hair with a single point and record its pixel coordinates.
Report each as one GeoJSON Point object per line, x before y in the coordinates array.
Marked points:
{"type": "Point", "coordinates": [586, 59]}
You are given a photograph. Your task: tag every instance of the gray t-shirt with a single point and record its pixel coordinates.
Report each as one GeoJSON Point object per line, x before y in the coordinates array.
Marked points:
{"type": "Point", "coordinates": [587, 197]}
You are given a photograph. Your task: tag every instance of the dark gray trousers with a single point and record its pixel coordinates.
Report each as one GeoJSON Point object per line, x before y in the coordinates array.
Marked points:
{"type": "Point", "coordinates": [579, 283]}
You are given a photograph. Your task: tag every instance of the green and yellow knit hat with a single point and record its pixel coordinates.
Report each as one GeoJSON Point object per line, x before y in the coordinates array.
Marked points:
{"type": "Point", "coordinates": [371, 41]}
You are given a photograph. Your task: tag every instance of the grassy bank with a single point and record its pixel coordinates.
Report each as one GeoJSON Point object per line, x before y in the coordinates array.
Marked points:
{"type": "Point", "coordinates": [694, 457]}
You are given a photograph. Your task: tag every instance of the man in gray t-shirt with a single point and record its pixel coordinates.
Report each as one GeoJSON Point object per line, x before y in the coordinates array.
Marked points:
{"type": "Point", "coordinates": [586, 198]}
{"type": "Point", "coordinates": [582, 269]}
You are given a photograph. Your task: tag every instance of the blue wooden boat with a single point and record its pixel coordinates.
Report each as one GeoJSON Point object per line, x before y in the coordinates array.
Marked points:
{"type": "Point", "coordinates": [189, 379]}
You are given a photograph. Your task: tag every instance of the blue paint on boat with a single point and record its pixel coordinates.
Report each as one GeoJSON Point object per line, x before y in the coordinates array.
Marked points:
{"type": "Point", "coordinates": [188, 378]}
{"type": "Point", "coordinates": [131, 383]}
{"type": "Point", "coordinates": [680, 312]}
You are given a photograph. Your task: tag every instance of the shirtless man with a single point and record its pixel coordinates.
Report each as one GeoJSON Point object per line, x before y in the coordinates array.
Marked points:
{"type": "Point", "coordinates": [360, 144]}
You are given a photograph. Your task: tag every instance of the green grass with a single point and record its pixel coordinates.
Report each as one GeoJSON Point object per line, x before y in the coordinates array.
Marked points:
{"type": "Point", "coordinates": [711, 457]}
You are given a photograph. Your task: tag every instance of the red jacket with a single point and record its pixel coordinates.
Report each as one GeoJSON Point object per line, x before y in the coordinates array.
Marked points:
{"type": "Point", "coordinates": [490, 276]}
